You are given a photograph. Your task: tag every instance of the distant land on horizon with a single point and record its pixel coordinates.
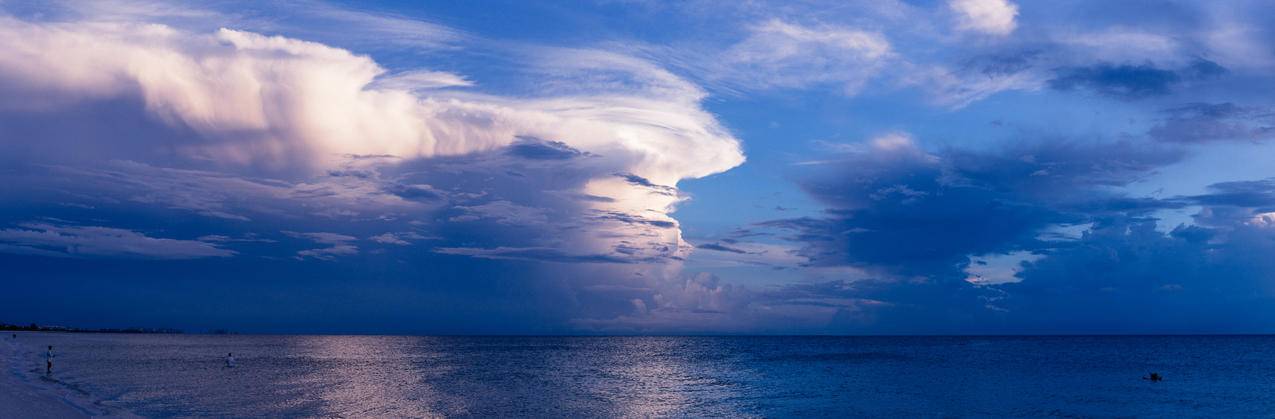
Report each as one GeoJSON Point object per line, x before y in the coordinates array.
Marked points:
{"type": "Point", "coordinates": [33, 327]}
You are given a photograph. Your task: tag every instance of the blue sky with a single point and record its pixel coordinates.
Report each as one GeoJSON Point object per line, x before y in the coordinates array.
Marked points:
{"type": "Point", "coordinates": [962, 166]}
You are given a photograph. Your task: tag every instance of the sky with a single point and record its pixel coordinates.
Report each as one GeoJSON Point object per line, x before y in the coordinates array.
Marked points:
{"type": "Point", "coordinates": [639, 167]}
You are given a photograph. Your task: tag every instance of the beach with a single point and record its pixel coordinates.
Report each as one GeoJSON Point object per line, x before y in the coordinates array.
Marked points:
{"type": "Point", "coordinates": [22, 400]}
{"type": "Point", "coordinates": [27, 394]}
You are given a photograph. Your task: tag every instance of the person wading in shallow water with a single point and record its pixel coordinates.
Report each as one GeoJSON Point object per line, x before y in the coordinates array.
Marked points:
{"type": "Point", "coordinates": [48, 361]}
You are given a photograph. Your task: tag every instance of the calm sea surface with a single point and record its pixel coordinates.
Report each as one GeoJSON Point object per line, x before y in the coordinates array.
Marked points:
{"type": "Point", "coordinates": [393, 376]}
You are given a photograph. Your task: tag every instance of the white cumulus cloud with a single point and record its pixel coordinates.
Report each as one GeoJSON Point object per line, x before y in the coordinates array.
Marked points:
{"type": "Point", "coordinates": [994, 17]}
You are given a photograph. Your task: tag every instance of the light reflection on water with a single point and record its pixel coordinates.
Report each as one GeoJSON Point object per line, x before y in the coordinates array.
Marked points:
{"type": "Point", "coordinates": [369, 376]}
{"type": "Point", "coordinates": [387, 376]}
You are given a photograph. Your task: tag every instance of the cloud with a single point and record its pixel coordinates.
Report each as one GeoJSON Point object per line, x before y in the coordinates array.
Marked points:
{"type": "Point", "coordinates": [958, 88]}
{"type": "Point", "coordinates": [266, 100]}
{"type": "Point", "coordinates": [1125, 45]}
{"type": "Point", "coordinates": [503, 212]}
{"type": "Point", "coordinates": [704, 303]}
{"type": "Point", "coordinates": [297, 18]}
{"type": "Point", "coordinates": [1198, 123]}
{"type": "Point", "coordinates": [1132, 276]}
{"type": "Point", "coordinates": [993, 17]}
{"type": "Point", "coordinates": [421, 80]}
{"type": "Point", "coordinates": [779, 54]}
{"type": "Point", "coordinates": [721, 248]}
{"type": "Point", "coordinates": [536, 149]}
{"type": "Point", "coordinates": [736, 252]}
{"type": "Point", "coordinates": [537, 254]}
{"type": "Point", "coordinates": [497, 180]}
{"type": "Point", "coordinates": [338, 245]}
{"type": "Point", "coordinates": [998, 268]}
{"type": "Point", "coordinates": [897, 209]}
{"type": "Point", "coordinates": [396, 238]}
{"type": "Point", "coordinates": [1236, 41]}
{"type": "Point", "coordinates": [93, 241]}
{"type": "Point", "coordinates": [275, 130]}
{"type": "Point", "coordinates": [247, 238]}
{"type": "Point", "coordinates": [1113, 51]}
{"type": "Point", "coordinates": [374, 28]}
{"type": "Point", "coordinates": [968, 240]}
{"type": "Point", "coordinates": [221, 195]}
{"type": "Point", "coordinates": [1133, 81]}
{"type": "Point", "coordinates": [1246, 194]}
{"type": "Point", "coordinates": [280, 103]}
{"type": "Point", "coordinates": [682, 304]}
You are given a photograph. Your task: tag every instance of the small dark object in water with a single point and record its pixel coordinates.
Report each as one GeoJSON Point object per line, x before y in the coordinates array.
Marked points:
{"type": "Point", "coordinates": [1153, 377]}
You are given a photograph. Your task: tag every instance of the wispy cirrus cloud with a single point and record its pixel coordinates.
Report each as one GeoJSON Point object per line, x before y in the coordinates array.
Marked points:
{"type": "Point", "coordinates": [779, 54]}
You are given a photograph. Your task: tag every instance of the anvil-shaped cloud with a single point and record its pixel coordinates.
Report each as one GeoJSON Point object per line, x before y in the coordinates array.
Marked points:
{"type": "Point", "coordinates": [316, 145]}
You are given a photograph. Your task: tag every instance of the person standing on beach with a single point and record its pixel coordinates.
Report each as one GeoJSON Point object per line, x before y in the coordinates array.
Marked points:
{"type": "Point", "coordinates": [230, 360]}
{"type": "Point", "coordinates": [48, 361]}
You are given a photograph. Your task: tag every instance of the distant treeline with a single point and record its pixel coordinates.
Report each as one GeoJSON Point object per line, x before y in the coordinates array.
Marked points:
{"type": "Point", "coordinates": [38, 328]}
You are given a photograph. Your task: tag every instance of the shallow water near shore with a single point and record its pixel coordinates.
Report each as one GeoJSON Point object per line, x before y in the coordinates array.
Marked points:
{"type": "Point", "coordinates": [361, 376]}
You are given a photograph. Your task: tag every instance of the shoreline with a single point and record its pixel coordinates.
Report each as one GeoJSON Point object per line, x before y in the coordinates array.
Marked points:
{"type": "Point", "coordinates": [30, 395]}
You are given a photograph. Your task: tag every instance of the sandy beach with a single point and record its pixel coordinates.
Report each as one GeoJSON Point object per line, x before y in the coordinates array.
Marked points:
{"type": "Point", "coordinates": [28, 395]}
{"type": "Point", "coordinates": [21, 400]}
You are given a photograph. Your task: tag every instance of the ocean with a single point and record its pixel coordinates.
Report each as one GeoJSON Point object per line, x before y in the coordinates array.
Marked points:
{"type": "Point", "coordinates": [405, 376]}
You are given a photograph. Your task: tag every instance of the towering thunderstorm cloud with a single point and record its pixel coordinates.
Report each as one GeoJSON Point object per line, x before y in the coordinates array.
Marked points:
{"type": "Point", "coordinates": [964, 166]}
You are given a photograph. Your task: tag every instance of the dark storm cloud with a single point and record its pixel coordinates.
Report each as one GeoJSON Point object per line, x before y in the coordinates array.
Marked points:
{"type": "Point", "coordinates": [913, 220]}
{"type": "Point", "coordinates": [1127, 81]}
{"type": "Point", "coordinates": [1124, 275]}
{"type": "Point", "coordinates": [899, 209]}
{"type": "Point", "coordinates": [1252, 193]}
{"type": "Point", "coordinates": [1130, 276]}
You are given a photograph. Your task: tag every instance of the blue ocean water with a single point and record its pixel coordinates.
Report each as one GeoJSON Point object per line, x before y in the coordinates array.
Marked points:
{"type": "Point", "coordinates": [398, 376]}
